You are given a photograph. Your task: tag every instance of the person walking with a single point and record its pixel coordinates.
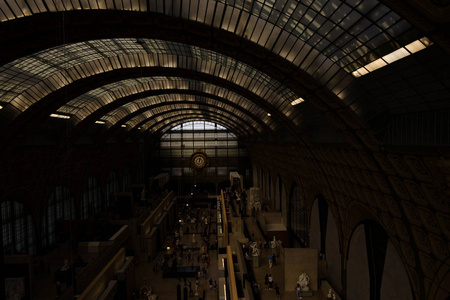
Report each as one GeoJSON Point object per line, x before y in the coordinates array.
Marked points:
{"type": "Point", "coordinates": [298, 290]}
{"type": "Point", "coordinates": [270, 259]}
{"type": "Point", "coordinates": [277, 292]}
{"type": "Point", "coordinates": [270, 281]}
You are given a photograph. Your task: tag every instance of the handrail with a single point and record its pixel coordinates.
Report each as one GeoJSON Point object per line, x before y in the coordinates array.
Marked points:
{"type": "Point", "coordinates": [151, 219]}
{"type": "Point", "coordinates": [232, 276]}
{"type": "Point", "coordinates": [97, 286]}
{"type": "Point", "coordinates": [224, 218]}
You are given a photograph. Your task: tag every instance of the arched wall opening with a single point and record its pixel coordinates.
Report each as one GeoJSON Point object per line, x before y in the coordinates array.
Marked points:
{"type": "Point", "coordinates": [318, 225]}
{"type": "Point", "coordinates": [60, 207]}
{"type": "Point", "coordinates": [375, 269]}
{"type": "Point", "coordinates": [332, 251]}
{"type": "Point", "coordinates": [18, 227]}
{"type": "Point", "coordinates": [297, 218]}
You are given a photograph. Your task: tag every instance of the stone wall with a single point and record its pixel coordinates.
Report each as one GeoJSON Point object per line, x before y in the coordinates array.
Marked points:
{"type": "Point", "coordinates": [406, 193]}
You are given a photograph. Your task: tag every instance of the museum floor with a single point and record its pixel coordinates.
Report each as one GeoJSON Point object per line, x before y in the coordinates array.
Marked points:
{"type": "Point", "coordinates": [166, 288]}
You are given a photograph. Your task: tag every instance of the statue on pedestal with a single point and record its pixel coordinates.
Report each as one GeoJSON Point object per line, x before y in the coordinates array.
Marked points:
{"type": "Point", "coordinates": [255, 249]}
{"type": "Point", "coordinates": [303, 281]}
{"type": "Point", "coordinates": [329, 294]}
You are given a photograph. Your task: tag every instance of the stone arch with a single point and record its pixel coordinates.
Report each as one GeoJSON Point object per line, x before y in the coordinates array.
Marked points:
{"type": "Point", "coordinates": [18, 223]}
{"type": "Point", "coordinates": [297, 217]}
{"type": "Point", "coordinates": [91, 199]}
{"type": "Point", "coordinates": [318, 224]}
{"type": "Point", "coordinates": [111, 189]}
{"type": "Point", "coordinates": [395, 282]}
{"type": "Point", "coordinates": [333, 251]}
{"type": "Point", "coordinates": [60, 206]}
{"type": "Point", "coordinates": [375, 269]}
{"type": "Point", "coordinates": [279, 191]}
{"type": "Point", "coordinates": [269, 188]}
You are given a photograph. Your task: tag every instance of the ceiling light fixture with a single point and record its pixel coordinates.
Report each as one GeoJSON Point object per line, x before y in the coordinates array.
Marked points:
{"type": "Point", "coordinates": [100, 122]}
{"type": "Point", "coordinates": [268, 114]}
{"type": "Point", "coordinates": [400, 53]}
{"type": "Point", "coordinates": [59, 116]}
{"type": "Point", "coordinates": [124, 125]}
{"type": "Point", "coordinates": [297, 101]}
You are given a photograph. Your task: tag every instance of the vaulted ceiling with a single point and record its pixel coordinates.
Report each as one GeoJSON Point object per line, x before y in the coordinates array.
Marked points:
{"type": "Point", "coordinates": [265, 69]}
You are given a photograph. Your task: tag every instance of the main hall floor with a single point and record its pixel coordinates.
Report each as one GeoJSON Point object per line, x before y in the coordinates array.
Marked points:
{"type": "Point", "coordinates": [165, 288]}
{"type": "Point", "coordinates": [147, 276]}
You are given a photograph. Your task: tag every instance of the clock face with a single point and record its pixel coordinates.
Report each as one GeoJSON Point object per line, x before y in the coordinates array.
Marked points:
{"type": "Point", "coordinates": [199, 161]}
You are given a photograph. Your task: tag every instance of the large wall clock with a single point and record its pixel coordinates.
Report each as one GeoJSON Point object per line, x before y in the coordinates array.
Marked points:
{"type": "Point", "coordinates": [199, 161]}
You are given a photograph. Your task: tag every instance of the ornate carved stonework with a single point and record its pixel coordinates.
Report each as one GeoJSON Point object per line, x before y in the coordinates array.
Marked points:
{"type": "Point", "coordinates": [429, 220]}
{"type": "Point", "coordinates": [382, 183]}
{"type": "Point", "coordinates": [436, 198]}
{"type": "Point", "coordinates": [438, 247]}
{"type": "Point", "coordinates": [415, 192]}
{"type": "Point", "coordinates": [369, 161]}
{"type": "Point", "coordinates": [428, 265]}
{"type": "Point", "coordinates": [380, 200]}
{"type": "Point", "coordinates": [418, 168]}
{"type": "Point", "coordinates": [408, 254]}
{"type": "Point", "coordinates": [388, 224]}
{"type": "Point", "coordinates": [421, 239]}
{"type": "Point", "coordinates": [402, 230]}
{"type": "Point", "coordinates": [444, 221]}
{"type": "Point", "coordinates": [385, 163]}
{"type": "Point", "coordinates": [399, 188]}
{"type": "Point", "coordinates": [399, 165]}
{"type": "Point", "coordinates": [411, 213]}
{"type": "Point", "coordinates": [392, 204]}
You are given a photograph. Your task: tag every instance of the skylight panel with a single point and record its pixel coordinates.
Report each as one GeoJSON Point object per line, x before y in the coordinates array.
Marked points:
{"type": "Point", "coordinates": [297, 101]}
{"type": "Point", "coordinates": [393, 56]}
{"type": "Point", "coordinates": [396, 55]}
{"type": "Point", "coordinates": [60, 116]}
{"type": "Point", "coordinates": [375, 65]}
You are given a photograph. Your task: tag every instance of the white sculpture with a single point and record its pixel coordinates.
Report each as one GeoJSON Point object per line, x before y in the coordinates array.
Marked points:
{"type": "Point", "coordinates": [255, 249]}
{"type": "Point", "coordinates": [273, 245]}
{"type": "Point", "coordinates": [304, 280]}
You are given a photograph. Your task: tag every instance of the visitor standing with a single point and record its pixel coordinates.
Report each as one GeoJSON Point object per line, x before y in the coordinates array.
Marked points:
{"type": "Point", "coordinates": [298, 290]}
{"type": "Point", "coordinates": [277, 292]}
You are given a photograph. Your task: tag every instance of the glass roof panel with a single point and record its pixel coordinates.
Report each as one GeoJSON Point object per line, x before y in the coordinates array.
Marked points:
{"type": "Point", "coordinates": [164, 124]}
{"type": "Point", "coordinates": [20, 76]}
{"type": "Point", "coordinates": [205, 125]}
{"type": "Point", "coordinates": [303, 20]}
{"type": "Point", "coordinates": [114, 91]}
{"type": "Point", "coordinates": [175, 101]}
{"type": "Point", "coordinates": [181, 120]}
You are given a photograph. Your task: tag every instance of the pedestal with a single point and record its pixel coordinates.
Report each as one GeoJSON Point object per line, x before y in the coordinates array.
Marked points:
{"type": "Point", "coordinates": [298, 261]}
{"type": "Point", "coordinates": [307, 294]}
{"type": "Point", "coordinates": [256, 261]}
